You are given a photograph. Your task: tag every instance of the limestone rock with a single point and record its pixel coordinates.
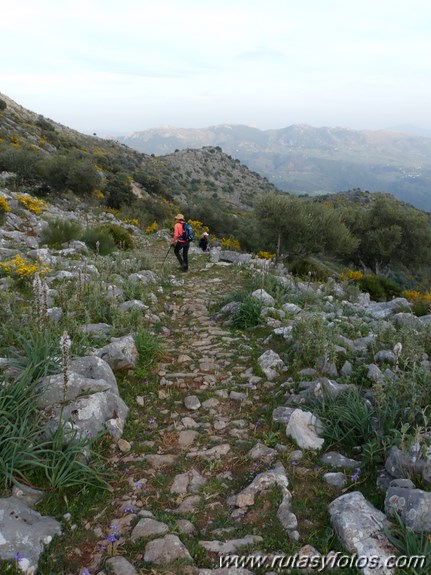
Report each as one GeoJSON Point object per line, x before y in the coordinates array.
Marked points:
{"type": "Point", "coordinates": [412, 505]}
{"type": "Point", "coordinates": [120, 354]}
{"type": "Point", "coordinates": [120, 566]}
{"type": "Point", "coordinates": [359, 526]}
{"type": "Point", "coordinates": [271, 364]}
{"type": "Point", "coordinates": [24, 531]}
{"type": "Point", "coordinates": [166, 550]}
{"type": "Point", "coordinates": [148, 527]}
{"type": "Point", "coordinates": [304, 427]}
{"type": "Point", "coordinates": [229, 547]}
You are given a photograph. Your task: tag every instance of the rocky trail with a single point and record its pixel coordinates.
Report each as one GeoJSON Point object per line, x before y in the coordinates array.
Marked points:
{"type": "Point", "coordinates": [192, 458]}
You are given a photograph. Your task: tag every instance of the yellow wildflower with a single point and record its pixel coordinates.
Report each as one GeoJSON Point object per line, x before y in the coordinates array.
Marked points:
{"type": "Point", "coordinates": [151, 228]}
{"type": "Point", "coordinates": [34, 205]}
{"type": "Point", "coordinates": [266, 255]}
{"type": "Point", "coordinates": [21, 268]}
{"type": "Point", "coordinates": [230, 244]}
{"type": "Point", "coordinates": [4, 206]}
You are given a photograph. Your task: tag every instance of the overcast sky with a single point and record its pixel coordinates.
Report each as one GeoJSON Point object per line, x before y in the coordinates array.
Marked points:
{"type": "Point", "coordinates": [110, 66]}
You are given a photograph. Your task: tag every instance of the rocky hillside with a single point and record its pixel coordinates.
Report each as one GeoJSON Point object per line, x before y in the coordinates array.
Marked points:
{"type": "Point", "coordinates": [185, 177]}
{"type": "Point", "coordinates": [303, 159]}
{"type": "Point", "coordinates": [154, 421]}
{"type": "Point", "coordinates": [208, 173]}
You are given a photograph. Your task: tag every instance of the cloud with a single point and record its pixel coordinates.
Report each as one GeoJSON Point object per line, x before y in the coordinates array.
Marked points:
{"type": "Point", "coordinates": [266, 64]}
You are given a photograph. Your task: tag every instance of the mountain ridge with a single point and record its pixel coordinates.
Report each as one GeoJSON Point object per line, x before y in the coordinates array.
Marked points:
{"type": "Point", "coordinates": [306, 160]}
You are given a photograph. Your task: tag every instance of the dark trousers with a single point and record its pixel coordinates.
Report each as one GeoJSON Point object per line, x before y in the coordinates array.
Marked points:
{"type": "Point", "coordinates": [184, 248]}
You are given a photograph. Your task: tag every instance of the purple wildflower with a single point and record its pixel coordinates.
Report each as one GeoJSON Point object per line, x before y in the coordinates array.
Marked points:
{"type": "Point", "coordinates": [111, 538]}
{"type": "Point", "coordinates": [152, 420]}
{"type": "Point", "coordinates": [86, 571]}
{"type": "Point", "coordinates": [356, 475]}
{"type": "Point", "coordinates": [128, 510]}
{"type": "Point", "coordinates": [294, 462]}
{"type": "Point", "coordinates": [138, 485]}
{"type": "Point", "coordinates": [19, 556]}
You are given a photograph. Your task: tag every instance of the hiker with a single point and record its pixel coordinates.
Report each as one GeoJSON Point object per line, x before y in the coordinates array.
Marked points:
{"type": "Point", "coordinates": [181, 245]}
{"type": "Point", "coordinates": [203, 242]}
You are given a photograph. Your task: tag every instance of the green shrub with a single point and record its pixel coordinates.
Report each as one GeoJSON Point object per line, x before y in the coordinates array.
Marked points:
{"type": "Point", "coordinates": [149, 348]}
{"type": "Point", "coordinates": [19, 429]}
{"type": "Point", "coordinates": [24, 457]}
{"type": "Point", "coordinates": [248, 314]}
{"type": "Point", "coordinates": [420, 308]}
{"type": "Point", "coordinates": [307, 269]}
{"type": "Point", "coordinates": [65, 171]}
{"type": "Point", "coordinates": [314, 340]}
{"type": "Point", "coordinates": [121, 237]}
{"type": "Point", "coordinates": [410, 544]}
{"type": "Point", "coordinates": [380, 289]}
{"type": "Point", "coordinates": [63, 464]}
{"type": "Point", "coordinates": [347, 419]}
{"type": "Point", "coordinates": [58, 232]}
{"type": "Point", "coordinates": [118, 191]}
{"type": "Point", "coordinates": [3, 105]}
{"type": "Point", "coordinates": [99, 240]}
{"type": "Point", "coordinates": [35, 354]}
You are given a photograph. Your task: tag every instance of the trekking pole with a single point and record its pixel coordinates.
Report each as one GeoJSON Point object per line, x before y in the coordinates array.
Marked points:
{"type": "Point", "coordinates": [166, 256]}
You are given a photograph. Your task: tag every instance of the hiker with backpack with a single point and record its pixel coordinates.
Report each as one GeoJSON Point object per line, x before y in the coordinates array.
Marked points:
{"type": "Point", "coordinates": [203, 242]}
{"type": "Point", "coordinates": [183, 235]}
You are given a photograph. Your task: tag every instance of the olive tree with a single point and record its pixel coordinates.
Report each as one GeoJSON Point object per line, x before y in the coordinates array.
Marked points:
{"type": "Point", "coordinates": [301, 227]}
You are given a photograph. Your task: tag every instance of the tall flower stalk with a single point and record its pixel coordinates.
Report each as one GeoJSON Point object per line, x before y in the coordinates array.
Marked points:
{"type": "Point", "coordinates": [40, 292]}
{"type": "Point", "coordinates": [65, 344]}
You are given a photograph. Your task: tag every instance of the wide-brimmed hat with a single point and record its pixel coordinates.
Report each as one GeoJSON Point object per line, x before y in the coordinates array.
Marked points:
{"type": "Point", "coordinates": [205, 234]}
{"type": "Point", "coordinates": [179, 217]}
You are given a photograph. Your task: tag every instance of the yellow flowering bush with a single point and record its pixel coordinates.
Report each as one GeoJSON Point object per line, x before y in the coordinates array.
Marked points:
{"type": "Point", "coordinates": [15, 141]}
{"type": "Point", "coordinates": [230, 244]}
{"type": "Point", "coordinates": [4, 206]}
{"type": "Point", "coordinates": [352, 275]}
{"type": "Point", "coordinates": [114, 212]}
{"type": "Point", "coordinates": [98, 194]}
{"type": "Point", "coordinates": [21, 268]}
{"type": "Point", "coordinates": [198, 227]}
{"type": "Point", "coordinates": [265, 255]}
{"type": "Point", "coordinates": [131, 221]}
{"type": "Point", "coordinates": [34, 205]}
{"type": "Point", "coordinates": [152, 228]}
{"type": "Point", "coordinates": [416, 296]}
{"type": "Point", "coordinates": [421, 301]}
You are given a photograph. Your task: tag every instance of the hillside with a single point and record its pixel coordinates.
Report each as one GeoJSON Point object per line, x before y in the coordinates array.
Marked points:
{"type": "Point", "coordinates": [302, 159]}
{"type": "Point", "coordinates": [208, 172]}
{"type": "Point", "coordinates": [186, 177]}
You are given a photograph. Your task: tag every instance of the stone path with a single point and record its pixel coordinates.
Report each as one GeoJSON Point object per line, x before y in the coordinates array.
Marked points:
{"type": "Point", "coordinates": [201, 433]}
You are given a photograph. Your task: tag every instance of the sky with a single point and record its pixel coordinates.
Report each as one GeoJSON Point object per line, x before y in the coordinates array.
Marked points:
{"type": "Point", "coordinates": [114, 67]}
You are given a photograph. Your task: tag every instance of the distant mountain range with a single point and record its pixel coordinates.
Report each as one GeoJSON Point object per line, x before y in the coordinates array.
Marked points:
{"type": "Point", "coordinates": [302, 159]}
